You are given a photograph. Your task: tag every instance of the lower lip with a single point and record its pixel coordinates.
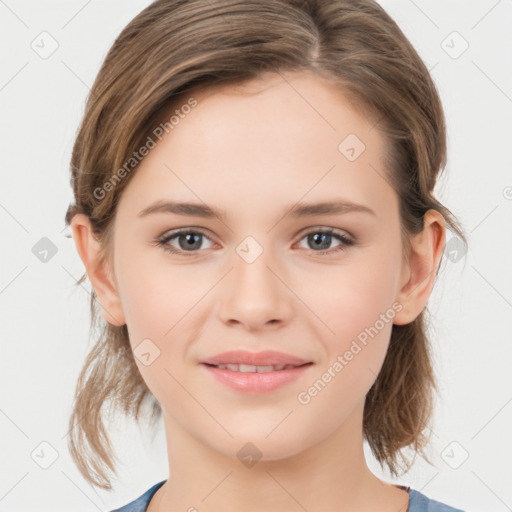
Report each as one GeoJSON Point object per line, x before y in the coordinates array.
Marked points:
{"type": "Point", "coordinates": [257, 382]}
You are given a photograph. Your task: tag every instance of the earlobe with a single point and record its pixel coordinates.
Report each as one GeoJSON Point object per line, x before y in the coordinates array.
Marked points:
{"type": "Point", "coordinates": [419, 272]}
{"type": "Point", "coordinates": [98, 271]}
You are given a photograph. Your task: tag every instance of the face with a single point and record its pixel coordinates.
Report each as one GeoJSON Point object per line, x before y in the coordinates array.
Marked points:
{"type": "Point", "coordinates": [263, 273]}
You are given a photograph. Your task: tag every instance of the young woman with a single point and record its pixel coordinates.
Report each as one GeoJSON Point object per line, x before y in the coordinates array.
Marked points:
{"type": "Point", "coordinates": [254, 206]}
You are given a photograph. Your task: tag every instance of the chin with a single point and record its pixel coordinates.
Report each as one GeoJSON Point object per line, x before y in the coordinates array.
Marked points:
{"type": "Point", "coordinates": [256, 445]}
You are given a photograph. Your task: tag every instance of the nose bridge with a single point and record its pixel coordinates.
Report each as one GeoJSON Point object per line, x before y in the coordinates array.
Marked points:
{"type": "Point", "coordinates": [252, 263]}
{"type": "Point", "coordinates": [254, 295]}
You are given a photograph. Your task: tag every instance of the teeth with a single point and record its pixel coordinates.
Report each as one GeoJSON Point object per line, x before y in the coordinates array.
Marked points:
{"type": "Point", "coordinates": [246, 368]}
{"type": "Point", "coordinates": [249, 368]}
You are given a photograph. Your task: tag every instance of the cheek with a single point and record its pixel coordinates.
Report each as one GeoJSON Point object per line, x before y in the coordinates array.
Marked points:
{"type": "Point", "coordinates": [353, 298]}
{"type": "Point", "coordinates": [157, 295]}
{"type": "Point", "coordinates": [164, 313]}
{"type": "Point", "coordinates": [356, 313]}
{"type": "Point", "coordinates": [359, 312]}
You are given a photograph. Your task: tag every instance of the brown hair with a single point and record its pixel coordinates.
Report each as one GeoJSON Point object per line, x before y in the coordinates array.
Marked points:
{"type": "Point", "coordinates": [176, 46]}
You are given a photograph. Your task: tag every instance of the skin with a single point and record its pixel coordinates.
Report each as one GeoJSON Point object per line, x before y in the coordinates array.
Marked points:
{"type": "Point", "coordinates": [252, 151]}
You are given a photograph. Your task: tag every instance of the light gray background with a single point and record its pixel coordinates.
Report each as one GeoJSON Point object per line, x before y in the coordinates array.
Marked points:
{"type": "Point", "coordinates": [45, 317]}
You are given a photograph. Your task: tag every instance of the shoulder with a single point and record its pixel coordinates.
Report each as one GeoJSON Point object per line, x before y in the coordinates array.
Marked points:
{"type": "Point", "coordinates": [418, 502]}
{"type": "Point", "coordinates": [141, 503]}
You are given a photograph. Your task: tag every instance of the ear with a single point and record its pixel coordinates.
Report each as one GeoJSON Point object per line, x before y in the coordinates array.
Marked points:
{"type": "Point", "coordinates": [99, 272]}
{"type": "Point", "coordinates": [419, 272]}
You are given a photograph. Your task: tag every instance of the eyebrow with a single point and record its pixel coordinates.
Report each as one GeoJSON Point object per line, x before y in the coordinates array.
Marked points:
{"type": "Point", "coordinates": [298, 210]}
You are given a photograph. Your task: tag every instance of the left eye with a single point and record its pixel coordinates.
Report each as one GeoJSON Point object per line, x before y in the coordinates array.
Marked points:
{"type": "Point", "coordinates": [190, 241]}
{"type": "Point", "coordinates": [320, 238]}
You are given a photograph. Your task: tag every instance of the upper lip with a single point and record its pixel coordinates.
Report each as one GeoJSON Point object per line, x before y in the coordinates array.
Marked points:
{"type": "Point", "coordinates": [266, 358]}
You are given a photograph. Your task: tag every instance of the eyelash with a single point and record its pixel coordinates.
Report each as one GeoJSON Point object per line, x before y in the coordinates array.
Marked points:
{"type": "Point", "coordinates": [164, 241]}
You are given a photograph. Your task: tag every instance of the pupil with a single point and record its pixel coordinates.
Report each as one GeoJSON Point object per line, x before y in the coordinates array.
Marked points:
{"type": "Point", "coordinates": [317, 237]}
{"type": "Point", "coordinates": [190, 239]}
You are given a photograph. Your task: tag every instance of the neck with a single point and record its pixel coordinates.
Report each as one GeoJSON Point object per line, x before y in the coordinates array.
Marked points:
{"type": "Point", "coordinates": [331, 475]}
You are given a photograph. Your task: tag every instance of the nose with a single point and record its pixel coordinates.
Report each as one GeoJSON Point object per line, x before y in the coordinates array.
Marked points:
{"type": "Point", "coordinates": [254, 295]}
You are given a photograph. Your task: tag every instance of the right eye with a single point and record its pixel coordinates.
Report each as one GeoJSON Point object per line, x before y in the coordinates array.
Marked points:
{"type": "Point", "coordinates": [189, 241]}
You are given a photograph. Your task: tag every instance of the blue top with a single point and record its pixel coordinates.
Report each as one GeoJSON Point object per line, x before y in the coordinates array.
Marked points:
{"type": "Point", "coordinates": [418, 502]}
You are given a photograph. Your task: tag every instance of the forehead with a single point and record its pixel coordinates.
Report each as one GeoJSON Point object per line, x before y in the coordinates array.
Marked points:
{"type": "Point", "coordinates": [293, 107]}
{"type": "Point", "coordinates": [272, 139]}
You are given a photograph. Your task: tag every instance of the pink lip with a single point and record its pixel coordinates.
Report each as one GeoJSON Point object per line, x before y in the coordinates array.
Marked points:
{"type": "Point", "coordinates": [253, 381]}
{"type": "Point", "coordinates": [257, 382]}
{"type": "Point", "coordinates": [266, 358]}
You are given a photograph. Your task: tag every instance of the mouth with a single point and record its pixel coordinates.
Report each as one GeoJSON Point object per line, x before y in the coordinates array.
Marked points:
{"type": "Point", "coordinates": [255, 372]}
{"type": "Point", "coordinates": [246, 359]}
{"type": "Point", "coordinates": [249, 368]}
